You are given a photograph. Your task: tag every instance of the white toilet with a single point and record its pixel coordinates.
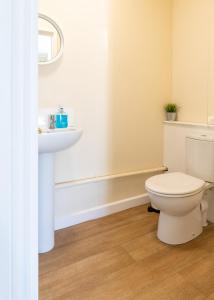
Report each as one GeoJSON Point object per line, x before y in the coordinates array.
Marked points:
{"type": "Point", "coordinates": [180, 197]}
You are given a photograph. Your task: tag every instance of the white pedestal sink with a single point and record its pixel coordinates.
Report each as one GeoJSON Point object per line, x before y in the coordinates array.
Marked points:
{"type": "Point", "coordinates": [49, 143]}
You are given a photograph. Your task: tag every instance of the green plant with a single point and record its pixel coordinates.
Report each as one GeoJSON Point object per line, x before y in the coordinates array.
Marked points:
{"type": "Point", "coordinates": [171, 108]}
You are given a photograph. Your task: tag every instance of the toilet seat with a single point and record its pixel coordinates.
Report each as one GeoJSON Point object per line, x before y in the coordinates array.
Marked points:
{"type": "Point", "coordinates": [174, 196]}
{"type": "Point", "coordinates": [174, 185]}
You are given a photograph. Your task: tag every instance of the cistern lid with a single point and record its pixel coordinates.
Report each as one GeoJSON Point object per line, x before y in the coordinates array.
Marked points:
{"type": "Point", "coordinates": [174, 184]}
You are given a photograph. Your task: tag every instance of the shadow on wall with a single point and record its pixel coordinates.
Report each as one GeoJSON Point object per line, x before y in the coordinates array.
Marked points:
{"type": "Point", "coordinates": [139, 82]}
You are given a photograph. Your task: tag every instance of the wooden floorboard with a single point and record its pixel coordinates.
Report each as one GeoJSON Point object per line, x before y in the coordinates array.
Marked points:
{"type": "Point", "coordinates": [119, 258]}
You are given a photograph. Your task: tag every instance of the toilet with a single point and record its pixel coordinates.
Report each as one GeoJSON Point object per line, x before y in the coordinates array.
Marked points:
{"type": "Point", "coordinates": [180, 196]}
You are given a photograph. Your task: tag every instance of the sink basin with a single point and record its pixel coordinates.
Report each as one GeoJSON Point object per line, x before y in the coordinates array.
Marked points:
{"type": "Point", "coordinates": [49, 143]}
{"type": "Point", "coordinates": [55, 141]}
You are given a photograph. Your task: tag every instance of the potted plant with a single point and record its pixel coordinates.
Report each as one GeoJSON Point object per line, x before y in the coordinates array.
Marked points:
{"type": "Point", "coordinates": [171, 111]}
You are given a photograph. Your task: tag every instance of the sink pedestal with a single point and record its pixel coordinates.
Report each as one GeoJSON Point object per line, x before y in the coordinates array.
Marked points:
{"type": "Point", "coordinates": [46, 202]}
{"type": "Point", "coordinates": [50, 142]}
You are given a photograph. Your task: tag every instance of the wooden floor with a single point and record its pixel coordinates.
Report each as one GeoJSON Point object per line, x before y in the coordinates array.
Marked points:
{"type": "Point", "coordinates": [119, 257]}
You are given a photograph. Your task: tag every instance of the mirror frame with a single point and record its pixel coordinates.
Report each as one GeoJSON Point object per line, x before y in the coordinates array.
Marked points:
{"type": "Point", "coordinates": [58, 29]}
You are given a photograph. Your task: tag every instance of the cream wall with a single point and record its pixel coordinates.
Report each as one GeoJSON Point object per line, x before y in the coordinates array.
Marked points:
{"type": "Point", "coordinates": [193, 59]}
{"type": "Point", "coordinates": [140, 57]}
{"type": "Point", "coordinates": [115, 74]}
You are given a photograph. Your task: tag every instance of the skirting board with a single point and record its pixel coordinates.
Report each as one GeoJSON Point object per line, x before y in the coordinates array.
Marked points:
{"type": "Point", "coordinates": [100, 211]}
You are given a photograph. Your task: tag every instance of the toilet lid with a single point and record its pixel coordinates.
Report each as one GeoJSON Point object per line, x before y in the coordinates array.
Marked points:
{"type": "Point", "coordinates": [174, 184]}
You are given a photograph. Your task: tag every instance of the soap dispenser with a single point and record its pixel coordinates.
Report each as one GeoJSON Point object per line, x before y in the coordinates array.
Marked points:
{"type": "Point", "coordinates": [61, 118]}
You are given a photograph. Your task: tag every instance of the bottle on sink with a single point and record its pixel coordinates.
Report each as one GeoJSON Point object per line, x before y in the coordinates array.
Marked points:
{"type": "Point", "coordinates": [61, 118]}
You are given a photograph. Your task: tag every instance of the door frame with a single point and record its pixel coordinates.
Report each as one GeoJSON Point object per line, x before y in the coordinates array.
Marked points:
{"type": "Point", "coordinates": [18, 151]}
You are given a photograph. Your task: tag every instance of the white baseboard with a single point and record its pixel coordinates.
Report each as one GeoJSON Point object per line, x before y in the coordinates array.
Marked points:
{"type": "Point", "coordinates": [100, 211]}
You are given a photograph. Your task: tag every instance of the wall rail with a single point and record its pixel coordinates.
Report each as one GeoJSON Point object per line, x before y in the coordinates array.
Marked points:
{"type": "Point", "coordinates": [71, 183]}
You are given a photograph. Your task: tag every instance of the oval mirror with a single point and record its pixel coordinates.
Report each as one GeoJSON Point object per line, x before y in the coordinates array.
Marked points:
{"type": "Point", "coordinates": [50, 40]}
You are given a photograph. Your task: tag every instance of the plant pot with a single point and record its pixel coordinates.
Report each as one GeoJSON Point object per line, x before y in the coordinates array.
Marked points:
{"type": "Point", "coordinates": [171, 116]}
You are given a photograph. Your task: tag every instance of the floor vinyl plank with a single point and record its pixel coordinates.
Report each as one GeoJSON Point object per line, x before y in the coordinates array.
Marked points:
{"type": "Point", "coordinates": [120, 258]}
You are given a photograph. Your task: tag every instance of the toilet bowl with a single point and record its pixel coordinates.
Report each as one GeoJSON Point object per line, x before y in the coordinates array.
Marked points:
{"type": "Point", "coordinates": [178, 196]}
{"type": "Point", "coordinates": [185, 199]}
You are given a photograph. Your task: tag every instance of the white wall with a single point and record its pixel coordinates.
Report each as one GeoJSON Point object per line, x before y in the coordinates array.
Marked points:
{"type": "Point", "coordinates": [89, 200]}
{"type": "Point", "coordinates": [115, 74]}
{"type": "Point", "coordinates": [79, 80]}
{"type": "Point", "coordinates": [193, 59]}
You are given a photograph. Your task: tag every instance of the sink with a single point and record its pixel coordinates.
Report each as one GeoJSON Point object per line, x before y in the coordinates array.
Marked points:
{"type": "Point", "coordinates": [55, 141]}
{"type": "Point", "coordinates": [50, 142]}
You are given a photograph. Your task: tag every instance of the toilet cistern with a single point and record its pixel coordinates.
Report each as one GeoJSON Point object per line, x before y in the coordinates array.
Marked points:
{"type": "Point", "coordinates": [50, 142]}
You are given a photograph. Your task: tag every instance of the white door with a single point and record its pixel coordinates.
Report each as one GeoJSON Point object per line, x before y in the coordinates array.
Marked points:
{"type": "Point", "coordinates": [18, 150]}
